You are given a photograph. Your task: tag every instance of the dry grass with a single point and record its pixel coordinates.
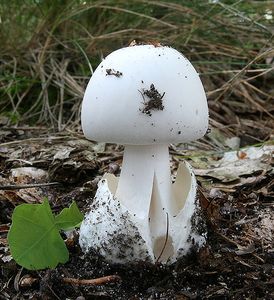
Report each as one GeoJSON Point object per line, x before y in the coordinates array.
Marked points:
{"type": "Point", "coordinates": [49, 51]}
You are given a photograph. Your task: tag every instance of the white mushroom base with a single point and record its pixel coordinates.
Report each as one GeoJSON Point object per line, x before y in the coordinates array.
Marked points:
{"type": "Point", "coordinates": [110, 229]}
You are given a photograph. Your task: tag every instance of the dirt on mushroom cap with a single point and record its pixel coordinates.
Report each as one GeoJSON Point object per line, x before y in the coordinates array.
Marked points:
{"type": "Point", "coordinates": [155, 101]}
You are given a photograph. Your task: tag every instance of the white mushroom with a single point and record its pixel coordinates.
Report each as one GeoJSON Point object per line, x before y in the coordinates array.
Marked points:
{"type": "Point", "coordinates": [144, 97]}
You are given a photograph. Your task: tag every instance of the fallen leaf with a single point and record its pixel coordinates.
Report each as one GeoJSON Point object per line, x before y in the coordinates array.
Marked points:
{"type": "Point", "coordinates": [242, 250]}
{"type": "Point", "coordinates": [231, 167]}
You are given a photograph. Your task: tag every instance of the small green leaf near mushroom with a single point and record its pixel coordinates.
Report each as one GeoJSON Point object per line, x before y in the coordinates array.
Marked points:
{"type": "Point", "coordinates": [34, 239]}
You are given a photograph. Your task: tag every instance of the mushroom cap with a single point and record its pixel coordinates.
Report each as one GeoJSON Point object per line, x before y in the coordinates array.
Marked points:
{"type": "Point", "coordinates": [143, 95]}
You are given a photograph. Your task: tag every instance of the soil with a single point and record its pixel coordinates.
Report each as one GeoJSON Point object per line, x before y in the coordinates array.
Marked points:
{"type": "Point", "coordinates": [113, 72]}
{"type": "Point", "coordinates": [155, 101]}
{"type": "Point", "coordinates": [237, 262]}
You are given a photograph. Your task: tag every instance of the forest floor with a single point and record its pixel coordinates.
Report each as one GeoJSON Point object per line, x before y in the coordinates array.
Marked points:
{"type": "Point", "coordinates": [236, 190]}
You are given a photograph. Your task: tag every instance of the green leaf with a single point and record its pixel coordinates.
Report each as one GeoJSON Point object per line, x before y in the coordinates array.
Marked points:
{"type": "Point", "coordinates": [69, 217]}
{"type": "Point", "coordinates": [34, 239]}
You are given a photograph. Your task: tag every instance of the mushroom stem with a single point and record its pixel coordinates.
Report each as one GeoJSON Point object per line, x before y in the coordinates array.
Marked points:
{"type": "Point", "coordinates": [144, 188]}
{"type": "Point", "coordinates": [144, 168]}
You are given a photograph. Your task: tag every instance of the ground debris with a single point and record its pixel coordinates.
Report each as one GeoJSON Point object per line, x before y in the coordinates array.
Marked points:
{"type": "Point", "coordinates": [235, 164]}
{"type": "Point", "coordinates": [236, 263]}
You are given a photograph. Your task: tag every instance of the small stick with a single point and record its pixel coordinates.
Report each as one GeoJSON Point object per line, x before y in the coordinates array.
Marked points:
{"type": "Point", "coordinates": [165, 243]}
{"type": "Point", "coordinates": [96, 281]}
{"type": "Point", "coordinates": [12, 187]}
{"type": "Point", "coordinates": [25, 128]}
{"type": "Point", "coordinates": [38, 139]}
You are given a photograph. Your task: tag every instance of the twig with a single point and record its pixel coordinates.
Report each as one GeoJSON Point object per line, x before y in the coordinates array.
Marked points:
{"type": "Point", "coordinates": [26, 128]}
{"type": "Point", "coordinates": [45, 282]}
{"type": "Point", "coordinates": [166, 238]}
{"type": "Point", "coordinates": [227, 239]}
{"type": "Point", "coordinates": [38, 139]}
{"type": "Point", "coordinates": [96, 281]}
{"type": "Point", "coordinates": [11, 187]}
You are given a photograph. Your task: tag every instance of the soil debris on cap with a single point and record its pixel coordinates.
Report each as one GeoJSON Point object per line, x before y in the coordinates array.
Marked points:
{"type": "Point", "coordinates": [155, 101]}
{"type": "Point", "coordinates": [113, 72]}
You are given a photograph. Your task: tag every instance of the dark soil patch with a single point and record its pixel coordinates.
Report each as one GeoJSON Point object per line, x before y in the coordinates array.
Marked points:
{"type": "Point", "coordinates": [113, 72]}
{"type": "Point", "coordinates": [155, 101]}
